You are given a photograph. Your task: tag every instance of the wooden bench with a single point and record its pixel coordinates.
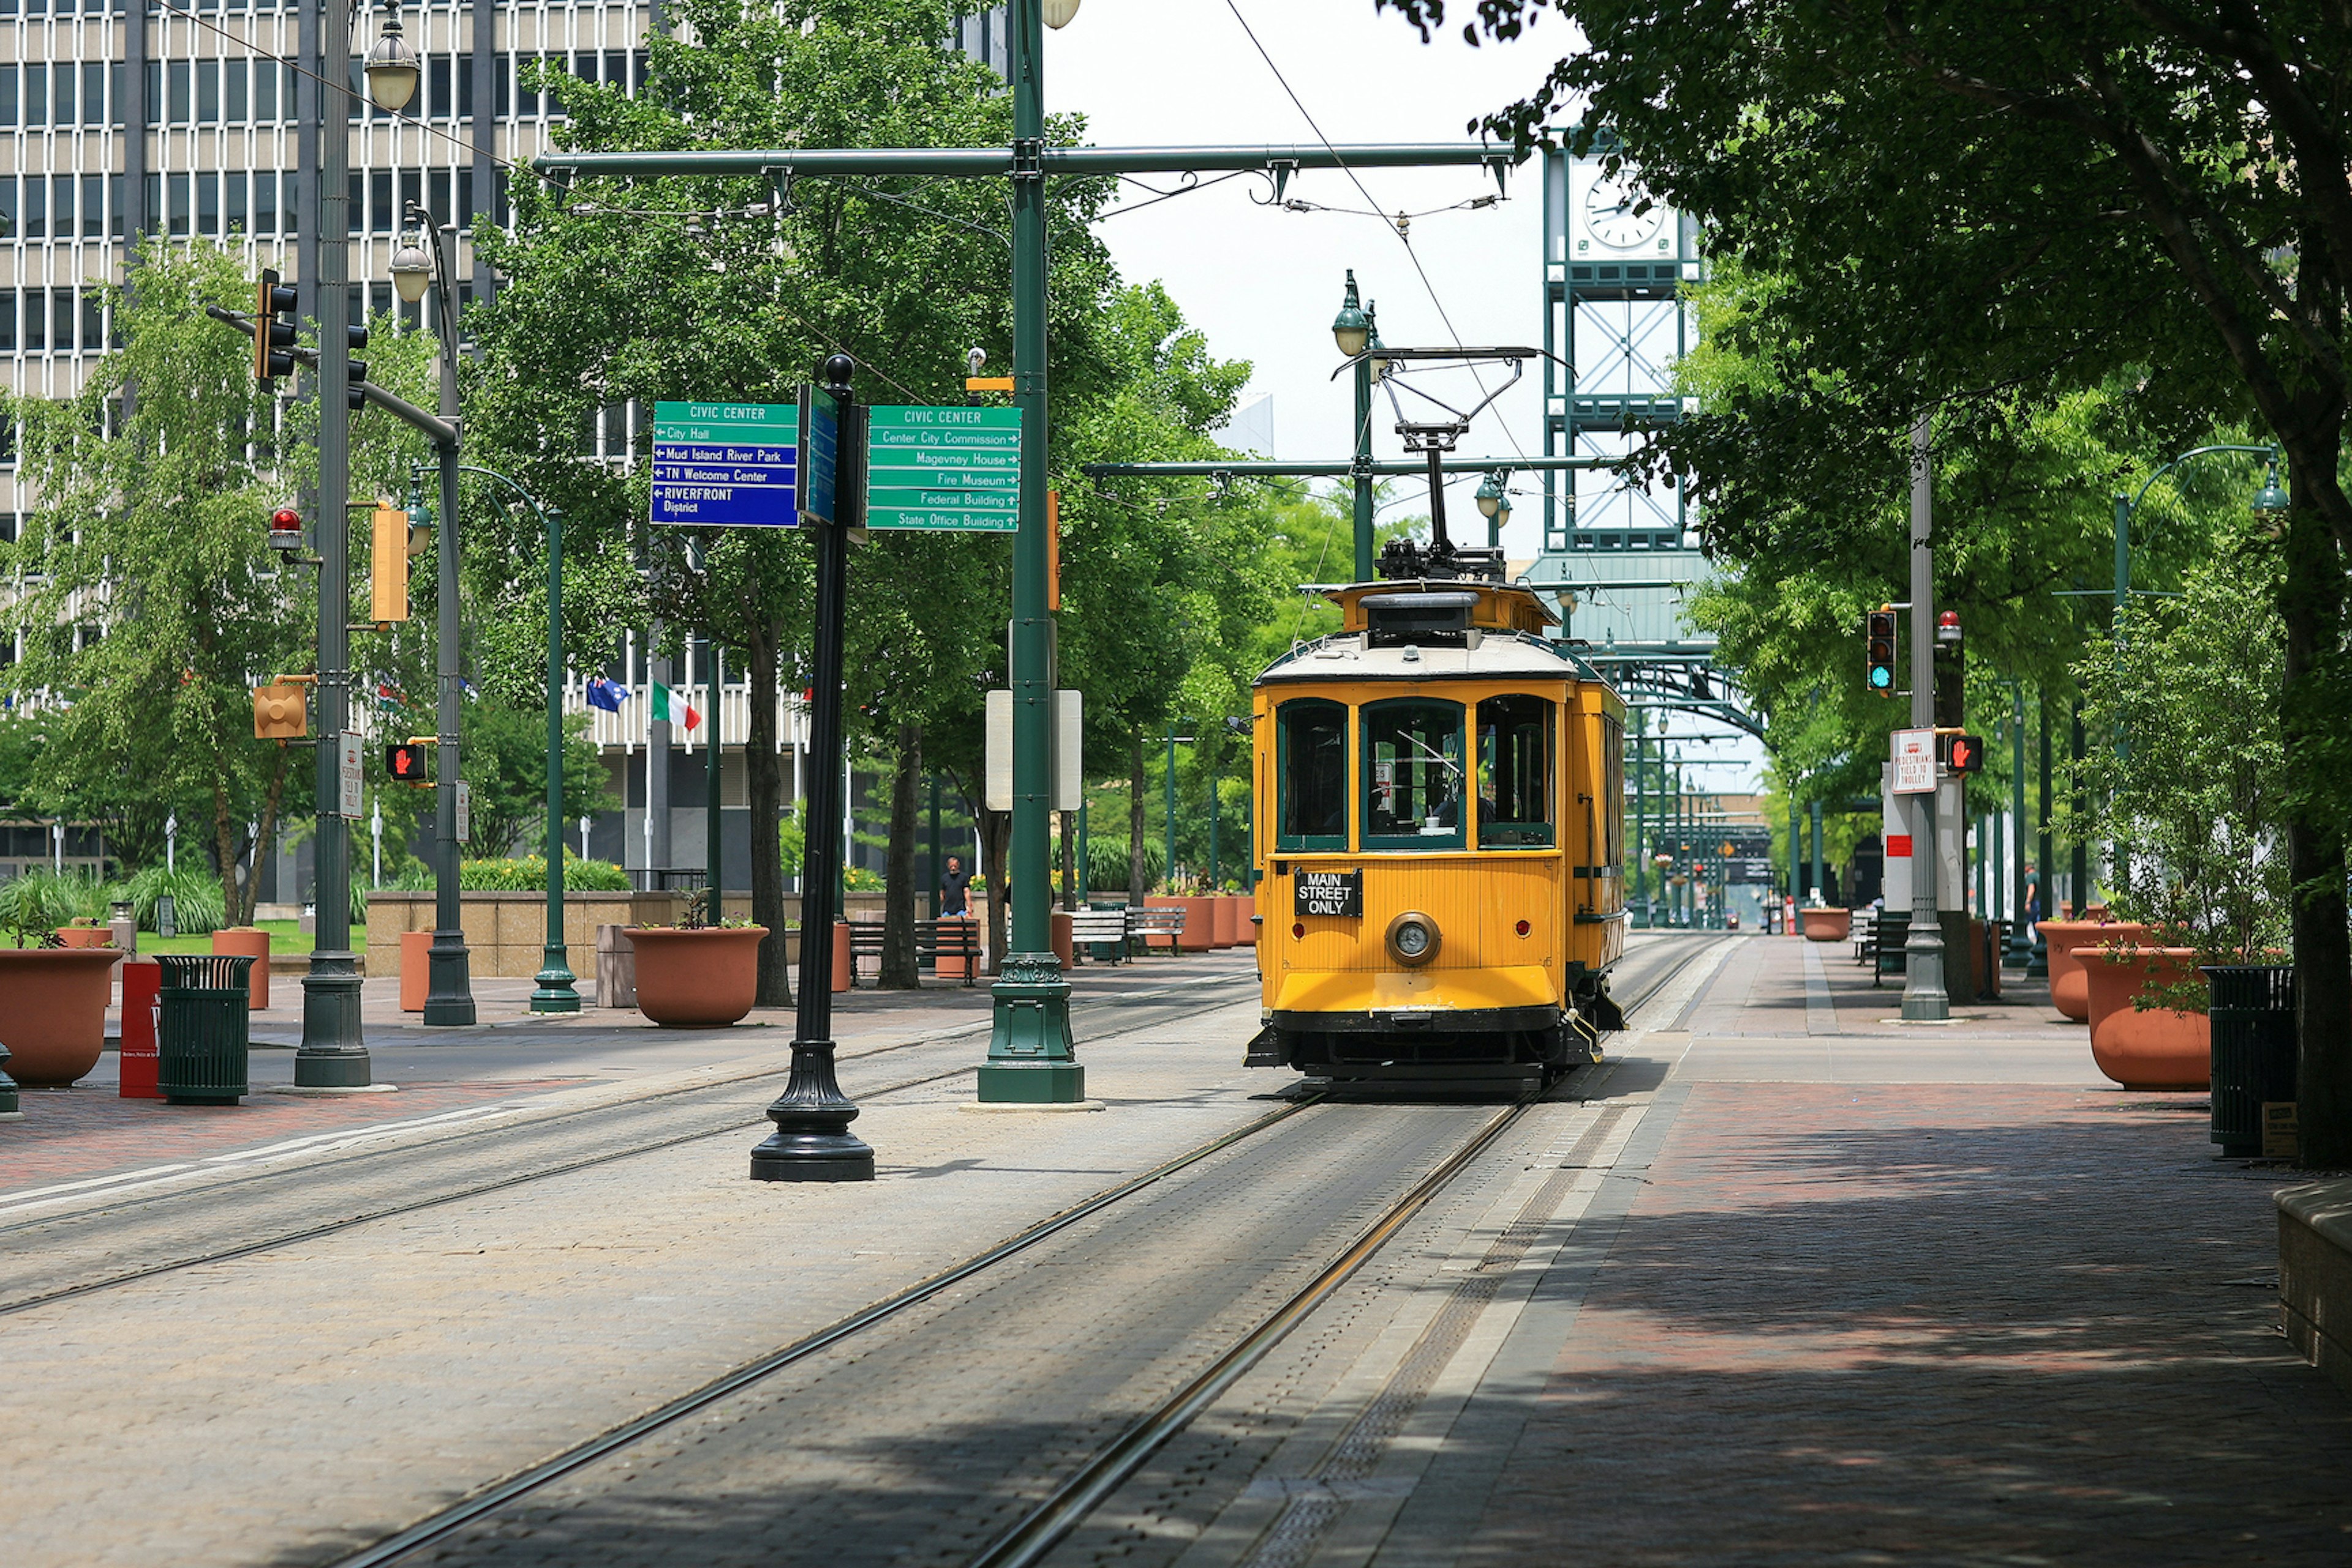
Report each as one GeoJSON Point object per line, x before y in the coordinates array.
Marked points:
{"type": "Point", "coordinates": [1866, 935]}
{"type": "Point", "coordinates": [1103, 927]}
{"type": "Point", "coordinates": [1144, 924]}
{"type": "Point", "coordinates": [933, 940]}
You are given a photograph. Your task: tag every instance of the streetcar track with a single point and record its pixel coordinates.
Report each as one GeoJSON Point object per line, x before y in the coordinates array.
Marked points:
{"type": "Point", "coordinates": [331, 1227]}
{"type": "Point", "coordinates": [1045, 1526]}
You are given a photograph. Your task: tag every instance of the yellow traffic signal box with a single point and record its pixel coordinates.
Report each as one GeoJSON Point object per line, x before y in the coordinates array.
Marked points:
{"type": "Point", "coordinates": [388, 583]}
{"type": "Point", "coordinates": [280, 712]}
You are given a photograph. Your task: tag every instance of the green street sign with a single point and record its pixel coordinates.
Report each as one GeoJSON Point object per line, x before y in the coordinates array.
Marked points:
{"type": "Point", "coordinates": [954, 468]}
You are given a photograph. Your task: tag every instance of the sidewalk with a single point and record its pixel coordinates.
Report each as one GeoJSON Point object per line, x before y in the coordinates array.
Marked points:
{"type": "Point", "coordinates": [510, 1055]}
{"type": "Point", "coordinates": [1884, 1294]}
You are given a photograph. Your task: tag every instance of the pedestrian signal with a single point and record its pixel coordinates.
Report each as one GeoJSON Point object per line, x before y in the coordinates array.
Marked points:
{"type": "Point", "coordinates": [406, 762]}
{"type": "Point", "coordinates": [278, 713]}
{"type": "Point", "coordinates": [1964, 754]}
{"type": "Point", "coordinates": [1878, 665]}
{"type": "Point", "coordinates": [273, 330]}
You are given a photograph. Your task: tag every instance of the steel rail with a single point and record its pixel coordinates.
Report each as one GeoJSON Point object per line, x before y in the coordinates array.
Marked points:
{"type": "Point", "coordinates": [425, 1532]}
{"type": "Point", "coordinates": [1044, 1528]}
{"type": "Point", "coordinates": [504, 1183]}
{"type": "Point", "coordinates": [490, 1498]}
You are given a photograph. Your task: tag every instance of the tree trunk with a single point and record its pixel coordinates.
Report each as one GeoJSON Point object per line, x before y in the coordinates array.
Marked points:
{"type": "Point", "coordinates": [238, 895]}
{"type": "Point", "coordinates": [1069, 860]}
{"type": "Point", "coordinates": [899, 970]}
{"type": "Point", "coordinates": [1139, 882]}
{"type": "Point", "coordinates": [764, 778]}
{"type": "Point", "coordinates": [2312, 606]}
{"type": "Point", "coordinates": [995, 846]}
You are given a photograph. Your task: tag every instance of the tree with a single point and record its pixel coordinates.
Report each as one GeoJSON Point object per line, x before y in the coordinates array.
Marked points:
{"type": "Point", "coordinates": [626, 293]}
{"type": "Point", "coordinates": [1971, 201]}
{"type": "Point", "coordinates": [151, 602]}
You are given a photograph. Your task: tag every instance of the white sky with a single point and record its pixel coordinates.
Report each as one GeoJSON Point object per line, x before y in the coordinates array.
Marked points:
{"type": "Point", "coordinates": [1263, 283]}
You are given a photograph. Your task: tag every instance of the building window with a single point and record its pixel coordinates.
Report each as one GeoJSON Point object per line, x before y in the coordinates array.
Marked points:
{"type": "Point", "coordinates": [176, 189]}
{"type": "Point", "coordinates": [36, 207]}
{"type": "Point", "coordinates": [8, 110]}
{"type": "Point", "coordinates": [61, 320]}
{"type": "Point", "coordinates": [235, 209]}
{"type": "Point", "coordinates": [61, 206]}
{"type": "Point", "coordinates": [93, 93]}
{"type": "Point", "coordinates": [8, 321]}
{"type": "Point", "coordinates": [93, 206]}
{"type": "Point", "coordinates": [265, 203]}
{"type": "Point", "coordinates": [380, 199]}
{"type": "Point", "coordinates": [177, 105]}
{"type": "Point", "coordinates": [208, 204]}
{"type": "Point", "coordinates": [93, 319]}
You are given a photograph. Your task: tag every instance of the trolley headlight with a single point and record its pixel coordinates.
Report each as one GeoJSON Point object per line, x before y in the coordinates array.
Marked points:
{"type": "Point", "coordinates": [1412, 938]}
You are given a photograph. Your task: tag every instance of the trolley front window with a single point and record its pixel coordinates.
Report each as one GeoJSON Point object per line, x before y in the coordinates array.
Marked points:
{"type": "Point", "coordinates": [1311, 760]}
{"type": "Point", "coordinates": [1515, 772]}
{"type": "Point", "coordinates": [1412, 774]}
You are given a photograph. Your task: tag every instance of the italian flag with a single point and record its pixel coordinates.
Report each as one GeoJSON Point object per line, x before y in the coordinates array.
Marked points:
{"type": "Point", "coordinates": [668, 705]}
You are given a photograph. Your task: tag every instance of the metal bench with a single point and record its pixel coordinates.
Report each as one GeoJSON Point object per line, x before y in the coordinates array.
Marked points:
{"type": "Point", "coordinates": [933, 940]}
{"type": "Point", "coordinates": [1102, 928]}
{"type": "Point", "coordinates": [1866, 935]}
{"type": "Point", "coordinates": [1144, 924]}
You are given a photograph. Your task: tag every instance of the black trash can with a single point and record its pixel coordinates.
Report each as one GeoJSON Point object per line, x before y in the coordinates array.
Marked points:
{"type": "Point", "coordinates": [1887, 957]}
{"type": "Point", "coordinates": [204, 1028]}
{"type": "Point", "coordinates": [2254, 1049]}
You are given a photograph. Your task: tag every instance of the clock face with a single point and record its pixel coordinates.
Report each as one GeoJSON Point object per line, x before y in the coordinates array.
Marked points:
{"type": "Point", "coordinates": [1609, 218]}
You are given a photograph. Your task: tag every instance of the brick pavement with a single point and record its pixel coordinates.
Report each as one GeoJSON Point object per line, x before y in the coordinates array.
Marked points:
{"type": "Point", "coordinates": [89, 1132]}
{"type": "Point", "coordinates": [1943, 1296]}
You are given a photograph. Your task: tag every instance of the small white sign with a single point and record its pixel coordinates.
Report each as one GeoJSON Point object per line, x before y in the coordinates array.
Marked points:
{"type": "Point", "coordinates": [1915, 762]}
{"type": "Point", "coordinates": [350, 776]}
{"type": "Point", "coordinates": [465, 812]}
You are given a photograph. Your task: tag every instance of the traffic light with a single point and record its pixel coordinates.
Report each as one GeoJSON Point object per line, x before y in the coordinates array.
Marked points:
{"type": "Point", "coordinates": [1964, 754]}
{"type": "Point", "coordinates": [406, 762]}
{"type": "Point", "coordinates": [279, 713]}
{"type": "Point", "coordinates": [352, 395]}
{"type": "Point", "coordinates": [388, 581]}
{"type": "Point", "coordinates": [273, 330]}
{"type": "Point", "coordinates": [1878, 662]}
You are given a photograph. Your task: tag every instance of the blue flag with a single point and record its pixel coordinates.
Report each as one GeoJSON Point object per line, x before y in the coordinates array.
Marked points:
{"type": "Point", "coordinates": [604, 694]}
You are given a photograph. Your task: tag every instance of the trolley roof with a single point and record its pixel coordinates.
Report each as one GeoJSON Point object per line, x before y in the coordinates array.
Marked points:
{"type": "Point", "coordinates": [1434, 629]}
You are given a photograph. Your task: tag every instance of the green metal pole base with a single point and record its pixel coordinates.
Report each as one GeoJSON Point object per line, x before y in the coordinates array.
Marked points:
{"type": "Point", "coordinates": [812, 1141]}
{"type": "Point", "coordinates": [333, 1053]}
{"type": "Point", "coordinates": [449, 993]}
{"type": "Point", "coordinates": [1032, 1059]}
{"type": "Point", "coordinates": [558, 985]}
{"type": "Point", "coordinates": [11, 1109]}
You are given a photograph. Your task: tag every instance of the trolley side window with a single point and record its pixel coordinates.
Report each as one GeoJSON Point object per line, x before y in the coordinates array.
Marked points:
{"type": "Point", "coordinates": [1412, 774]}
{"type": "Point", "coordinates": [1311, 766]}
{"type": "Point", "coordinates": [1515, 772]}
{"type": "Point", "coordinates": [1612, 821]}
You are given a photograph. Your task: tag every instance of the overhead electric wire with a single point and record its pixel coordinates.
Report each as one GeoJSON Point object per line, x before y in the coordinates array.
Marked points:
{"type": "Point", "coordinates": [1430, 287]}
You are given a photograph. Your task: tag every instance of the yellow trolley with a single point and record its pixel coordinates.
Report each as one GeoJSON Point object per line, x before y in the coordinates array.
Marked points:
{"type": "Point", "coordinates": [1439, 823]}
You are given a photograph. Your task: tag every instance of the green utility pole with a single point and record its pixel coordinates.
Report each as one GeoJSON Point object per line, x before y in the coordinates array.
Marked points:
{"type": "Point", "coordinates": [1640, 856]}
{"type": "Point", "coordinates": [1030, 1058]}
{"type": "Point", "coordinates": [1355, 325]}
{"type": "Point", "coordinates": [936, 871]}
{"type": "Point", "coordinates": [1169, 778]}
{"type": "Point", "coordinates": [713, 845]}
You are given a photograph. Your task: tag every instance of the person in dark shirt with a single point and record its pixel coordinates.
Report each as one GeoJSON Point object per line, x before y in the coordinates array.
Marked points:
{"type": "Point", "coordinates": [952, 883]}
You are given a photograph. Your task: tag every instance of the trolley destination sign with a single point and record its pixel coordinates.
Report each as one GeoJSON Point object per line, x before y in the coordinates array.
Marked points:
{"type": "Point", "coordinates": [952, 468]}
{"type": "Point", "coordinates": [726, 464]}
{"type": "Point", "coordinates": [1328, 893]}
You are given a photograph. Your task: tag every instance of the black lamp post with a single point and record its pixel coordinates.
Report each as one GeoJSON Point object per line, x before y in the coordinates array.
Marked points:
{"type": "Point", "coordinates": [812, 1141]}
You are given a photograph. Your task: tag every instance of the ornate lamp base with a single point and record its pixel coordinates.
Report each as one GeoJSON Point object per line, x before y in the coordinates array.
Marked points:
{"type": "Point", "coordinates": [1031, 1058]}
{"type": "Point", "coordinates": [333, 1053]}
{"type": "Point", "coordinates": [557, 990]}
{"type": "Point", "coordinates": [449, 993]}
{"type": "Point", "coordinates": [812, 1141]}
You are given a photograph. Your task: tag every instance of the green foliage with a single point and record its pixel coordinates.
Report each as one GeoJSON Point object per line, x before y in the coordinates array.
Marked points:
{"type": "Point", "coordinates": [1106, 865]}
{"type": "Point", "coordinates": [197, 905]}
{"type": "Point", "coordinates": [862, 879]}
{"type": "Point", "coordinates": [34, 903]}
{"type": "Point", "coordinates": [2196, 790]}
{"type": "Point", "coordinates": [528, 874]}
{"type": "Point", "coordinates": [505, 761]}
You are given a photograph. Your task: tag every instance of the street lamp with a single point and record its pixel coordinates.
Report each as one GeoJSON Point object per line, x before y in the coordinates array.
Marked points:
{"type": "Point", "coordinates": [392, 69]}
{"type": "Point", "coordinates": [1057, 13]}
{"type": "Point", "coordinates": [420, 268]}
{"type": "Point", "coordinates": [2272, 502]}
{"type": "Point", "coordinates": [1353, 333]}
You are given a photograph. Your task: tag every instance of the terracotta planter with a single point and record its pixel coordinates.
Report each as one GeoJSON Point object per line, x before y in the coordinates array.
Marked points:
{"type": "Point", "coordinates": [1244, 927]}
{"type": "Point", "coordinates": [252, 941]}
{"type": "Point", "coordinates": [951, 966]}
{"type": "Point", "coordinates": [697, 979]}
{"type": "Point", "coordinates": [415, 970]}
{"type": "Point", "coordinates": [1828, 924]}
{"type": "Point", "coordinates": [55, 1021]}
{"type": "Point", "coordinates": [1223, 916]}
{"type": "Point", "coordinates": [1065, 948]}
{"type": "Point", "coordinates": [2158, 1048]}
{"type": "Point", "coordinates": [85, 936]}
{"type": "Point", "coordinates": [2070, 988]}
{"type": "Point", "coordinates": [1200, 921]}
{"type": "Point", "coordinates": [845, 961]}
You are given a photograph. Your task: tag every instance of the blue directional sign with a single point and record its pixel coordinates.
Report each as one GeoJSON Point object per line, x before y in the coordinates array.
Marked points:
{"type": "Point", "coordinates": [726, 464]}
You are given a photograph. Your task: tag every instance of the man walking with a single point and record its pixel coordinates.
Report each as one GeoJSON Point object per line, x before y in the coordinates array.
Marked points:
{"type": "Point", "coordinates": [952, 883]}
